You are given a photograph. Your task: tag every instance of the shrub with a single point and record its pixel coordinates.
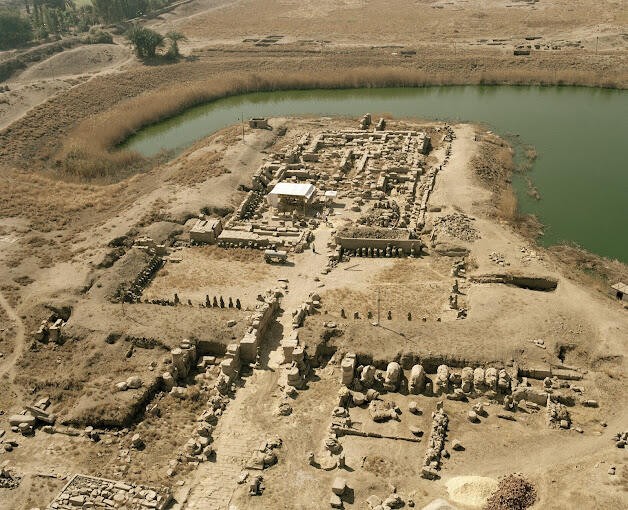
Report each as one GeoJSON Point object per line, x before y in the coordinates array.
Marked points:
{"type": "Point", "coordinates": [14, 29]}
{"type": "Point", "coordinates": [98, 36]}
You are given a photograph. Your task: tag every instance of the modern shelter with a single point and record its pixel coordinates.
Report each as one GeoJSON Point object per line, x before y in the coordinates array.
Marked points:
{"type": "Point", "coordinates": [291, 195]}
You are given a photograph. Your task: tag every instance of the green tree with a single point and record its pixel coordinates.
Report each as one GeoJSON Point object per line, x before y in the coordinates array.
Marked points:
{"type": "Point", "coordinates": [14, 30]}
{"type": "Point", "coordinates": [174, 38]}
{"type": "Point", "coordinates": [145, 40]}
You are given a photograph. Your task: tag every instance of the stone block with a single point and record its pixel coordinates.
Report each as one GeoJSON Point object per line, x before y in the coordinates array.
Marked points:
{"type": "Point", "coordinates": [17, 419]}
{"type": "Point", "coordinates": [339, 486]}
{"type": "Point", "coordinates": [335, 501]}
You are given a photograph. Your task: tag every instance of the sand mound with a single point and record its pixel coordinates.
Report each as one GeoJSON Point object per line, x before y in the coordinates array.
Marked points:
{"type": "Point", "coordinates": [471, 491]}
{"type": "Point", "coordinates": [439, 504]}
{"type": "Point", "coordinates": [83, 59]}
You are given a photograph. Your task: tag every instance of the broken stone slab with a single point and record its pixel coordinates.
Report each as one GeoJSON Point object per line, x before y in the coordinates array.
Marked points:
{"type": "Point", "coordinates": [414, 409]}
{"type": "Point", "coordinates": [121, 386]}
{"type": "Point", "coordinates": [137, 442]}
{"type": "Point", "coordinates": [429, 473]}
{"type": "Point", "coordinates": [359, 398]}
{"type": "Point", "coordinates": [335, 501]}
{"type": "Point", "coordinates": [134, 382]}
{"type": "Point", "coordinates": [373, 502]}
{"type": "Point", "coordinates": [17, 419]}
{"type": "Point", "coordinates": [415, 431]}
{"type": "Point", "coordinates": [393, 501]}
{"type": "Point", "coordinates": [42, 415]}
{"type": "Point", "coordinates": [339, 486]}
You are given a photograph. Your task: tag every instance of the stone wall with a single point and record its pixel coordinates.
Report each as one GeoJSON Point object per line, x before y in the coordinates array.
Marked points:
{"type": "Point", "coordinates": [354, 243]}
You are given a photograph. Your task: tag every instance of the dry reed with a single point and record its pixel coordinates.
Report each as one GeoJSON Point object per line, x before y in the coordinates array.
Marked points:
{"type": "Point", "coordinates": [87, 151]}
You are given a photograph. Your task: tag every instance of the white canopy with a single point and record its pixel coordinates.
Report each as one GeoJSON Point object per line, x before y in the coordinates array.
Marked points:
{"type": "Point", "coordinates": [294, 189]}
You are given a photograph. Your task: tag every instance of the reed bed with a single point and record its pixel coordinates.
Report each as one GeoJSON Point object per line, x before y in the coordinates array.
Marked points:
{"type": "Point", "coordinates": [87, 152]}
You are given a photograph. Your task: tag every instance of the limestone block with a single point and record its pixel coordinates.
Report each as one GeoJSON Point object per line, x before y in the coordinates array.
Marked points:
{"type": "Point", "coordinates": [442, 379]}
{"type": "Point", "coordinates": [393, 376]}
{"type": "Point", "coordinates": [121, 386]}
{"type": "Point", "coordinates": [467, 379]}
{"type": "Point", "coordinates": [229, 367]}
{"type": "Point", "coordinates": [178, 392]}
{"type": "Point", "coordinates": [339, 486]}
{"type": "Point", "coordinates": [478, 379]}
{"type": "Point", "coordinates": [179, 361]}
{"type": "Point", "coordinates": [248, 348]}
{"type": "Point", "coordinates": [348, 368]}
{"type": "Point", "coordinates": [367, 377]}
{"type": "Point", "coordinates": [417, 379]}
{"type": "Point", "coordinates": [293, 377]}
{"type": "Point", "coordinates": [335, 501]}
{"type": "Point", "coordinates": [18, 419]}
{"type": "Point", "coordinates": [490, 378]}
{"type": "Point", "coordinates": [134, 382]}
{"type": "Point", "coordinates": [168, 380]}
{"type": "Point", "coordinates": [535, 395]}
{"type": "Point", "coordinates": [503, 381]}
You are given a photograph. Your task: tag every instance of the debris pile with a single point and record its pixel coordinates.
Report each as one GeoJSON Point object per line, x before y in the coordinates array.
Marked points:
{"type": "Point", "coordinates": [457, 225]}
{"type": "Point", "coordinates": [621, 439]}
{"type": "Point", "coordinates": [513, 493]}
{"type": "Point", "coordinates": [88, 492]}
{"type": "Point", "coordinates": [436, 443]}
{"type": "Point", "coordinates": [557, 415]}
{"type": "Point", "coordinates": [8, 480]}
{"type": "Point", "coordinates": [498, 258]}
{"type": "Point", "coordinates": [26, 422]}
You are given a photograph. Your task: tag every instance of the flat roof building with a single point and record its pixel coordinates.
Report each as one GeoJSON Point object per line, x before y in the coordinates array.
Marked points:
{"type": "Point", "coordinates": [206, 231]}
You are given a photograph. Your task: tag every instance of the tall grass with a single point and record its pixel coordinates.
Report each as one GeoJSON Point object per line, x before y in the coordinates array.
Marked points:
{"type": "Point", "coordinates": [87, 151]}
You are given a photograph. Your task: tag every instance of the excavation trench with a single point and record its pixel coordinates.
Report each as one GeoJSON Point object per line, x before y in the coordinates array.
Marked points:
{"type": "Point", "coordinates": [529, 282]}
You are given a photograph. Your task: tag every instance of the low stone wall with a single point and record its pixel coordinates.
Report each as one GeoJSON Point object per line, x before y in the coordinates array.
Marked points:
{"type": "Point", "coordinates": [354, 243]}
{"type": "Point", "coordinates": [260, 321]}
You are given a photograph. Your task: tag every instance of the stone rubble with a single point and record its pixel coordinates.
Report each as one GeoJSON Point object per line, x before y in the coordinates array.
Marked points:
{"type": "Point", "coordinates": [90, 492]}
{"type": "Point", "coordinates": [436, 444]}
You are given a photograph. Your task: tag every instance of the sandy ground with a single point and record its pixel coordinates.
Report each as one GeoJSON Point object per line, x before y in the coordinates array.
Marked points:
{"type": "Point", "coordinates": [55, 234]}
{"type": "Point", "coordinates": [498, 330]}
{"type": "Point", "coordinates": [404, 22]}
{"type": "Point", "coordinates": [62, 71]}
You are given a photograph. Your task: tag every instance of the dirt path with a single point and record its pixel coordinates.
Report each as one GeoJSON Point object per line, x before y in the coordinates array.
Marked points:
{"type": "Point", "coordinates": [239, 431]}
{"type": "Point", "coordinates": [20, 337]}
{"type": "Point", "coordinates": [60, 73]}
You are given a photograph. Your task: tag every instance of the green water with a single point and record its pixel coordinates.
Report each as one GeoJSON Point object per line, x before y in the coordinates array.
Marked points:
{"type": "Point", "coordinates": [580, 135]}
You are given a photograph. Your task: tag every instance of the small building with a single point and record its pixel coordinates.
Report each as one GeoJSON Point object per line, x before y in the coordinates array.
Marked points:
{"type": "Point", "coordinates": [330, 196]}
{"type": "Point", "coordinates": [620, 291]}
{"type": "Point", "coordinates": [291, 196]}
{"type": "Point", "coordinates": [259, 123]}
{"type": "Point", "coordinates": [206, 231]}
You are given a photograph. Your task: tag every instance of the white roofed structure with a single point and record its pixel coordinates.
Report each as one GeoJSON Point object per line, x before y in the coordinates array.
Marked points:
{"type": "Point", "coordinates": [291, 194]}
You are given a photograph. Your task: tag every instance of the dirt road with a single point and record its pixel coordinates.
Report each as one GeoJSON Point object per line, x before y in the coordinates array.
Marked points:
{"type": "Point", "coordinates": [8, 364]}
